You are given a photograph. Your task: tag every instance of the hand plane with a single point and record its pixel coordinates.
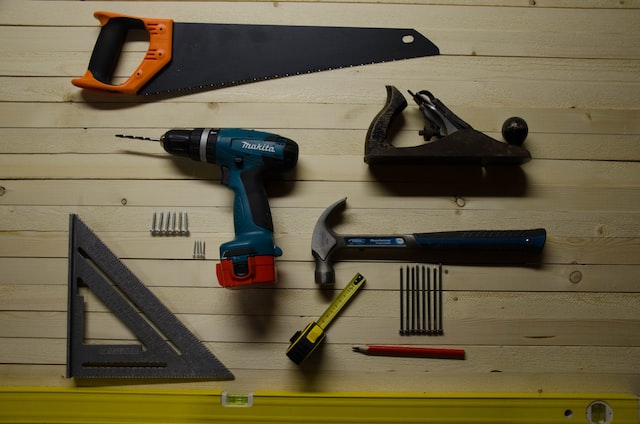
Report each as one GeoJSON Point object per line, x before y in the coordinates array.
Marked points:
{"type": "Point", "coordinates": [448, 139]}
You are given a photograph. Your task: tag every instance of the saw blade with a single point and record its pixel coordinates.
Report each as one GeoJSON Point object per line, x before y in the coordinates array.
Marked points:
{"type": "Point", "coordinates": [207, 56]}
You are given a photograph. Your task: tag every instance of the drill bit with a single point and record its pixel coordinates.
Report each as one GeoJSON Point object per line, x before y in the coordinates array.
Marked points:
{"type": "Point", "coordinates": [138, 137]}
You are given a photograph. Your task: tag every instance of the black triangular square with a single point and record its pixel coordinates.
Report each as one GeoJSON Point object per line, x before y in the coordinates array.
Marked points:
{"type": "Point", "coordinates": [170, 349]}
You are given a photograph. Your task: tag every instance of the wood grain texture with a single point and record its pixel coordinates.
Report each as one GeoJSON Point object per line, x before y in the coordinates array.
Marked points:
{"type": "Point", "coordinates": [567, 323]}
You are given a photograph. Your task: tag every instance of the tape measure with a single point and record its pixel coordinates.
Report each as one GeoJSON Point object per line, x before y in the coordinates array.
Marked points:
{"type": "Point", "coordinates": [304, 342]}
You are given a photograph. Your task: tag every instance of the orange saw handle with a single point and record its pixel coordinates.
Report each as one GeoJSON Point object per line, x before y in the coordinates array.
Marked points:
{"type": "Point", "coordinates": [108, 47]}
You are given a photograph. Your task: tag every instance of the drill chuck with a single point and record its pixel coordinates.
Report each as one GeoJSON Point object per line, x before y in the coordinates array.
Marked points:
{"type": "Point", "coordinates": [198, 144]}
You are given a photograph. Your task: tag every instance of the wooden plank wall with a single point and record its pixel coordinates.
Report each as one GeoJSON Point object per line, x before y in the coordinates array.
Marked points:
{"type": "Point", "coordinates": [571, 68]}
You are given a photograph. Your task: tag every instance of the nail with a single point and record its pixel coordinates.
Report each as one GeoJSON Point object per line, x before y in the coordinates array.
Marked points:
{"type": "Point", "coordinates": [435, 302]}
{"type": "Point", "coordinates": [440, 328]}
{"type": "Point", "coordinates": [428, 301]}
{"type": "Point", "coordinates": [424, 306]}
{"type": "Point", "coordinates": [401, 305]}
{"type": "Point", "coordinates": [407, 296]}
{"type": "Point", "coordinates": [413, 300]}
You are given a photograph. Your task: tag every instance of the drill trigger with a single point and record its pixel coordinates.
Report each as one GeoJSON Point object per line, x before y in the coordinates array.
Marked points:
{"type": "Point", "coordinates": [225, 175]}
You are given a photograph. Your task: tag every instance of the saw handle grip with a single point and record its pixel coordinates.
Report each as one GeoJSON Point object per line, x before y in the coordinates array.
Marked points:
{"type": "Point", "coordinates": [106, 52]}
{"type": "Point", "coordinates": [513, 240]}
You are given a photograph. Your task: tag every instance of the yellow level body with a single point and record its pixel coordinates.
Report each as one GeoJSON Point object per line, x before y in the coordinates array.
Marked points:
{"type": "Point", "coordinates": [139, 406]}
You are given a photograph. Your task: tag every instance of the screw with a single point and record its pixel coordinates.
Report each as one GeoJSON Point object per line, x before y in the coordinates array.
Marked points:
{"type": "Point", "coordinates": [199, 249]}
{"type": "Point", "coordinates": [160, 224]}
{"type": "Point", "coordinates": [167, 223]}
{"type": "Point", "coordinates": [171, 223]}
{"type": "Point", "coordinates": [153, 224]}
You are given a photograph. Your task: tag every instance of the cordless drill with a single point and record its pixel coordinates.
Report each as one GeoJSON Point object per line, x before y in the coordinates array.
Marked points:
{"type": "Point", "coordinates": [246, 158]}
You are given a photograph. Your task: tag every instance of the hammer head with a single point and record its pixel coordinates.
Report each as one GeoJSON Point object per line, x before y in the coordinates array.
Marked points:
{"type": "Point", "coordinates": [324, 242]}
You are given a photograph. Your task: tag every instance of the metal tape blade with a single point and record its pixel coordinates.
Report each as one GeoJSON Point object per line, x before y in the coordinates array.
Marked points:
{"type": "Point", "coordinates": [341, 301]}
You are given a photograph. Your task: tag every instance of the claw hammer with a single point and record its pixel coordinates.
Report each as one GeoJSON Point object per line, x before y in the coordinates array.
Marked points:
{"type": "Point", "coordinates": [325, 243]}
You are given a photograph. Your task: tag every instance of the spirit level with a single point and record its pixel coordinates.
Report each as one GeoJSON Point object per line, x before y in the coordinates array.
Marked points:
{"type": "Point", "coordinates": [140, 406]}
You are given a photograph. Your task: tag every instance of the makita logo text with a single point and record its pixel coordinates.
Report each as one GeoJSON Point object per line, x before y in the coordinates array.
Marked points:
{"type": "Point", "coordinates": [257, 146]}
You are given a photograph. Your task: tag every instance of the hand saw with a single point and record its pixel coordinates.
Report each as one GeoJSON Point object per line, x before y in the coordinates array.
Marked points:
{"type": "Point", "coordinates": [199, 56]}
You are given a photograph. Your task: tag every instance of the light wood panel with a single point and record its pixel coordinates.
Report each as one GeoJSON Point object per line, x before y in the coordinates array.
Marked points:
{"type": "Point", "coordinates": [566, 323]}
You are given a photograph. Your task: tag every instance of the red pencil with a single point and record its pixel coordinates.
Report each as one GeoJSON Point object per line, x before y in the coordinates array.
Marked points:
{"type": "Point", "coordinates": [424, 352]}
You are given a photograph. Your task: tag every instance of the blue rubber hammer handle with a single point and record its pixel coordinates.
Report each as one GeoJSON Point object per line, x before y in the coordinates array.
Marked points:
{"type": "Point", "coordinates": [517, 240]}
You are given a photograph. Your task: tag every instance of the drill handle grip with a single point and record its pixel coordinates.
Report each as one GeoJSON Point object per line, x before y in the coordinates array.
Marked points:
{"type": "Point", "coordinates": [249, 258]}
{"type": "Point", "coordinates": [255, 199]}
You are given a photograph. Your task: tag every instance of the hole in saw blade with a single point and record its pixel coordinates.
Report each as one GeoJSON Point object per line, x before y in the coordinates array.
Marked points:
{"type": "Point", "coordinates": [408, 39]}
